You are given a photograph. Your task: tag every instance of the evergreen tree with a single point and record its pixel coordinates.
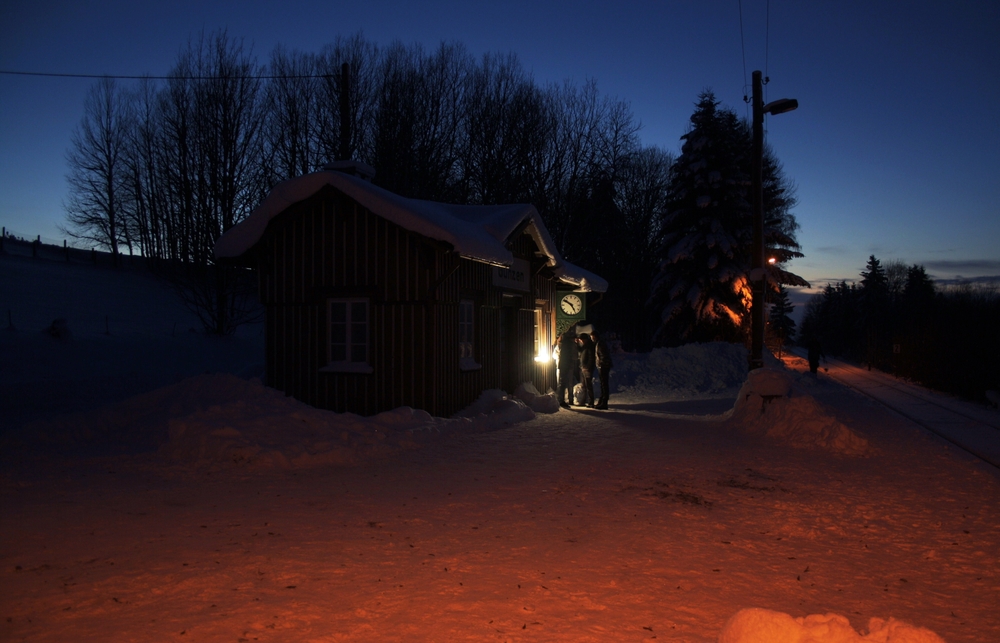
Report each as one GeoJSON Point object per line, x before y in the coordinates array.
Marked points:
{"type": "Point", "coordinates": [873, 305]}
{"type": "Point", "coordinates": [701, 287]}
{"type": "Point", "coordinates": [918, 292]}
{"type": "Point", "coordinates": [781, 324]}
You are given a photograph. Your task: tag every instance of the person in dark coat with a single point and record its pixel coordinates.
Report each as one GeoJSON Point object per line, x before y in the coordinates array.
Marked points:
{"type": "Point", "coordinates": [815, 353]}
{"type": "Point", "coordinates": [588, 363]}
{"type": "Point", "coordinates": [567, 365]}
{"type": "Point", "coordinates": [603, 354]}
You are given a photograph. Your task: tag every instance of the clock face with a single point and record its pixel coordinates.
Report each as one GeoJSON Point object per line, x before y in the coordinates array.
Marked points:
{"type": "Point", "coordinates": [571, 304]}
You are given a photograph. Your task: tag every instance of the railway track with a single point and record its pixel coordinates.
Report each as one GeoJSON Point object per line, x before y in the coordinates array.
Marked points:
{"type": "Point", "coordinates": [973, 428]}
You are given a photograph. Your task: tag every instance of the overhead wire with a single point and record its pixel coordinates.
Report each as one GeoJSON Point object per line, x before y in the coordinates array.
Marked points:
{"type": "Point", "coordinates": [743, 49]}
{"type": "Point", "coordinates": [767, 53]}
{"type": "Point", "coordinates": [147, 77]}
{"type": "Point", "coordinates": [767, 46]}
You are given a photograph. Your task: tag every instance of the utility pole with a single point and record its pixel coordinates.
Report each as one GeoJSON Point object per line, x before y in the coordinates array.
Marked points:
{"type": "Point", "coordinates": [758, 274]}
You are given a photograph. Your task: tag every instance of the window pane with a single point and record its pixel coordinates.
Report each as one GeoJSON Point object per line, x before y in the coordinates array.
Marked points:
{"type": "Point", "coordinates": [466, 328]}
{"type": "Point", "coordinates": [338, 333]}
{"type": "Point", "coordinates": [348, 330]}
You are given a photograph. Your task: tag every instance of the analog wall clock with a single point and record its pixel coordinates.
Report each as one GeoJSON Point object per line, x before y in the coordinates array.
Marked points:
{"type": "Point", "coordinates": [571, 304]}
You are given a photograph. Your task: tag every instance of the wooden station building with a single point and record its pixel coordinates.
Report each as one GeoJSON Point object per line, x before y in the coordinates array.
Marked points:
{"type": "Point", "coordinates": [375, 301]}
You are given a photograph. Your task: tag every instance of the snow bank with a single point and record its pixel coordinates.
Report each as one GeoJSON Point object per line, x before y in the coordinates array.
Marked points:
{"type": "Point", "coordinates": [765, 626]}
{"type": "Point", "coordinates": [715, 368]}
{"type": "Point", "coordinates": [496, 409]}
{"type": "Point", "coordinates": [219, 420]}
{"type": "Point", "coordinates": [534, 400]}
{"type": "Point", "coordinates": [265, 429]}
{"type": "Point", "coordinates": [770, 403]}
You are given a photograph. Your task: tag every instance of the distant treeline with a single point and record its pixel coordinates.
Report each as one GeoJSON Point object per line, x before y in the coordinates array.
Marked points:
{"type": "Point", "coordinates": [898, 321]}
{"type": "Point", "coordinates": [41, 249]}
{"type": "Point", "coordinates": [164, 167]}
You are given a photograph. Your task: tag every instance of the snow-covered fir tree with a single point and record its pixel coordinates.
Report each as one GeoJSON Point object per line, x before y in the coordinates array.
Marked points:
{"type": "Point", "coordinates": [701, 288]}
{"type": "Point", "coordinates": [782, 326]}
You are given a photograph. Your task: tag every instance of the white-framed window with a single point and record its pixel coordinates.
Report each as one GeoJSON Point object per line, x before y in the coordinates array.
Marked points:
{"type": "Point", "coordinates": [466, 335]}
{"type": "Point", "coordinates": [348, 332]}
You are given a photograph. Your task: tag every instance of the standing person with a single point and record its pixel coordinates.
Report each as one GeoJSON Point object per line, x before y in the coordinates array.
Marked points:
{"type": "Point", "coordinates": [815, 354]}
{"type": "Point", "coordinates": [555, 358]}
{"type": "Point", "coordinates": [567, 364]}
{"type": "Point", "coordinates": [588, 362]}
{"type": "Point", "coordinates": [603, 367]}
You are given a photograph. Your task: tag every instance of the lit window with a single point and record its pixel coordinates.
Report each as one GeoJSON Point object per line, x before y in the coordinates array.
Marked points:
{"type": "Point", "coordinates": [347, 350]}
{"type": "Point", "coordinates": [541, 345]}
{"type": "Point", "coordinates": [538, 332]}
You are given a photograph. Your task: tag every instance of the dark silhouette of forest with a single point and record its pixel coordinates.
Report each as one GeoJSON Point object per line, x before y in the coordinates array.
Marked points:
{"type": "Point", "coordinates": [162, 167]}
{"type": "Point", "coordinates": [898, 321]}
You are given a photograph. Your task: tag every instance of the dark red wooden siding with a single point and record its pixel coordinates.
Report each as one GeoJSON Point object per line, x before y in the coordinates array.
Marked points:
{"type": "Point", "coordinates": [330, 246]}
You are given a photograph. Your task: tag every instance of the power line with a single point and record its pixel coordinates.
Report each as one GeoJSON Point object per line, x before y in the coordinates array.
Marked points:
{"type": "Point", "coordinates": [743, 49]}
{"type": "Point", "coordinates": [176, 77]}
{"type": "Point", "coordinates": [767, 40]}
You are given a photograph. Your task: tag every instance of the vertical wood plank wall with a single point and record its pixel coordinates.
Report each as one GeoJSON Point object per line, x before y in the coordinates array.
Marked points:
{"type": "Point", "coordinates": [330, 246]}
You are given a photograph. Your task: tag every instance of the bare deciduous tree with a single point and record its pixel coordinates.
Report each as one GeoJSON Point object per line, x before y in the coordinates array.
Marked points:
{"type": "Point", "coordinates": [97, 171]}
{"type": "Point", "coordinates": [170, 166]}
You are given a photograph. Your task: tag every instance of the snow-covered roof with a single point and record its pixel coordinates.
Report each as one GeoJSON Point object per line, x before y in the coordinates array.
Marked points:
{"type": "Point", "coordinates": [477, 232]}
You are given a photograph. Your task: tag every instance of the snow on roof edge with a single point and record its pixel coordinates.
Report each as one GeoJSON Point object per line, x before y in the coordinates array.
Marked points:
{"type": "Point", "coordinates": [477, 232]}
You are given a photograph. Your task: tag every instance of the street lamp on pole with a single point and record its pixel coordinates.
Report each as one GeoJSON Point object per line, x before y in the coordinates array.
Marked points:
{"type": "Point", "coordinates": [758, 274]}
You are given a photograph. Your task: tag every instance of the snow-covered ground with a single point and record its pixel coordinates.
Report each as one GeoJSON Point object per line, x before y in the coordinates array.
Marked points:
{"type": "Point", "coordinates": [153, 490]}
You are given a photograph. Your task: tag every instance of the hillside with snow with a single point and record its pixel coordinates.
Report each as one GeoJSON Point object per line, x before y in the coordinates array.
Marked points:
{"type": "Point", "coordinates": [155, 489]}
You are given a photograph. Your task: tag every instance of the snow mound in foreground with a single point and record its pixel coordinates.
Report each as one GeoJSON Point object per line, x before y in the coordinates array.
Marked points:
{"type": "Point", "coordinates": [771, 404]}
{"type": "Point", "coordinates": [756, 625]}
{"type": "Point", "coordinates": [685, 371]}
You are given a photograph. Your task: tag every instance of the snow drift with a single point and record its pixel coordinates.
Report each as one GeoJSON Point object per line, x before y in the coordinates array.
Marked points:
{"type": "Point", "coordinates": [771, 404]}
{"type": "Point", "coordinates": [220, 420]}
{"type": "Point", "coordinates": [711, 369]}
{"type": "Point", "coordinates": [264, 429]}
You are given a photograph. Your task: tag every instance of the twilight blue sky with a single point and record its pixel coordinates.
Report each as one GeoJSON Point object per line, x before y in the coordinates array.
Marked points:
{"type": "Point", "coordinates": [895, 147]}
